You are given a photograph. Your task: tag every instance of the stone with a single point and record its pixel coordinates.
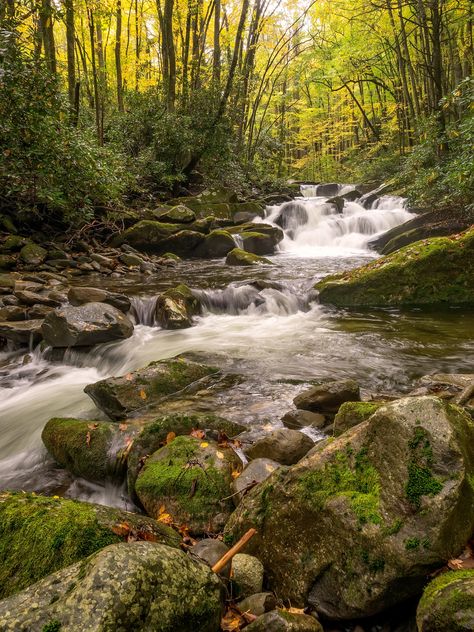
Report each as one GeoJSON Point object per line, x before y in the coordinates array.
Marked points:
{"type": "Point", "coordinates": [118, 397]}
{"type": "Point", "coordinates": [327, 397]}
{"type": "Point", "coordinates": [351, 414]}
{"type": "Point", "coordinates": [247, 575]}
{"type": "Point", "coordinates": [283, 445]}
{"type": "Point", "coordinates": [217, 244]}
{"type": "Point", "coordinates": [146, 235]}
{"type": "Point", "coordinates": [85, 326]}
{"type": "Point", "coordinates": [105, 262]}
{"type": "Point", "coordinates": [176, 307]}
{"type": "Point", "coordinates": [328, 189]}
{"type": "Point", "coordinates": [292, 214]}
{"type": "Point", "coordinates": [155, 431]}
{"type": "Point", "coordinates": [210, 551]}
{"type": "Point", "coordinates": [40, 535]}
{"type": "Point", "coordinates": [130, 259]}
{"type": "Point", "coordinates": [297, 419]}
{"type": "Point", "coordinates": [258, 604]}
{"type": "Point", "coordinates": [80, 295]}
{"type": "Point", "coordinates": [183, 243]}
{"type": "Point", "coordinates": [13, 243]}
{"type": "Point", "coordinates": [12, 313]}
{"type": "Point", "coordinates": [32, 298]}
{"type": "Point", "coordinates": [257, 471]}
{"type": "Point", "coordinates": [238, 257]}
{"type": "Point", "coordinates": [447, 604]}
{"type": "Point", "coordinates": [177, 215]}
{"type": "Point", "coordinates": [284, 621]}
{"type": "Point", "coordinates": [389, 500]}
{"type": "Point", "coordinates": [32, 254]}
{"type": "Point", "coordinates": [437, 271]}
{"type": "Point", "coordinates": [258, 243]}
{"type": "Point", "coordinates": [22, 332]}
{"type": "Point", "coordinates": [338, 202]}
{"type": "Point", "coordinates": [7, 262]}
{"type": "Point", "coordinates": [94, 450]}
{"type": "Point", "coordinates": [189, 479]}
{"type": "Point", "coordinates": [133, 586]}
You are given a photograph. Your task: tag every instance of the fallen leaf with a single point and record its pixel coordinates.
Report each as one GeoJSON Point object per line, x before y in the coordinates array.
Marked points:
{"type": "Point", "coordinates": [121, 529]}
{"type": "Point", "coordinates": [164, 516]}
{"type": "Point", "coordinates": [197, 434]}
{"type": "Point", "coordinates": [269, 468]}
{"type": "Point", "coordinates": [92, 426]}
{"type": "Point", "coordinates": [294, 610]}
{"type": "Point", "coordinates": [123, 427]}
{"type": "Point", "coordinates": [235, 474]}
{"type": "Point", "coordinates": [220, 455]}
{"type": "Point", "coordinates": [88, 439]}
{"type": "Point", "coordinates": [143, 394]}
{"type": "Point", "coordinates": [129, 377]}
{"type": "Point", "coordinates": [171, 436]}
{"type": "Point", "coordinates": [204, 444]}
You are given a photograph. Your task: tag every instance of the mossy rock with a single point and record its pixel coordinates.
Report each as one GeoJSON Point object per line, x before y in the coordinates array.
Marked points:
{"type": "Point", "coordinates": [147, 235]}
{"type": "Point", "coordinates": [447, 604]}
{"type": "Point", "coordinates": [238, 257]}
{"type": "Point", "coordinates": [190, 480]}
{"type": "Point", "coordinates": [176, 307]}
{"type": "Point", "coordinates": [155, 432]}
{"type": "Point", "coordinates": [118, 397]}
{"type": "Point", "coordinates": [39, 535]}
{"type": "Point", "coordinates": [369, 514]}
{"type": "Point", "coordinates": [351, 414]}
{"type": "Point", "coordinates": [32, 254]}
{"type": "Point", "coordinates": [94, 450]}
{"type": "Point", "coordinates": [171, 256]}
{"type": "Point", "coordinates": [253, 208]}
{"type": "Point", "coordinates": [183, 243]}
{"type": "Point", "coordinates": [258, 243]}
{"type": "Point", "coordinates": [217, 244]}
{"type": "Point", "coordinates": [179, 214]}
{"type": "Point", "coordinates": [13, 243]}
{"type": "Point", "coordinates": [127, 586]}
{"type": "Point", "coordinates": [7, 262]}
{"type": "Point", "coordinates": [438, 271]}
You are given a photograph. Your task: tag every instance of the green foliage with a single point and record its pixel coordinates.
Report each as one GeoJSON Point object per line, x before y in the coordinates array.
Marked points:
{"type": "Point", "coordinates": [52, 626]}
{"type": "Point", "coordinates": [421, 481]}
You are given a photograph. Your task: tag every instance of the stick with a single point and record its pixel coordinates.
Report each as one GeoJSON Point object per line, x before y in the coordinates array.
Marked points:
{"type": "Point", "coordinates": [219, 565]}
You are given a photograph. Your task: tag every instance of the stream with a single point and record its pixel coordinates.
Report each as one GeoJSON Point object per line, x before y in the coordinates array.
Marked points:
{"type": "Point", "coordinates": [263, 323]}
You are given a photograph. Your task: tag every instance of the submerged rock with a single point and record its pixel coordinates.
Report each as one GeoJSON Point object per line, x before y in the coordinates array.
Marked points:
{"type": "Point", "coordinates": [190, 480]}
{"type": "Point", "coordinates": [389, 500]}
{"type": "Point", "coordinates": [39, 535]}
{"type": "Point", "coordinates": [447, 604]}
{"type": "Point", "coordinates": [135, 586]}
{"type": "Point", "coordinates": [283, 445]}
{"type": "Point", "coordinates": [85, 326]}
{"type": "Point", "coordinates": [118, 397]}
{"type": "Point", "coordinates": [238, 257]}
{"type": "Point", "coordinates": [438, 271]}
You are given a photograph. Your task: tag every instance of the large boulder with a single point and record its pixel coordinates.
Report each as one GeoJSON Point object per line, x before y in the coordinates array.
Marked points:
{"type": "Point", "coordinates": [146, 235]}
{"type": "Point", "coordinates": [32, 254]}
{"type": "Point", "coordinates": [183, 243]}
{"type": "Point", "coordinates": [189, 479]}
{"type": "Point", "coordinates": [238, 257]}
{"type": "Point", "coordinates": [135, 586]}
{"type": "Point", "coordinates": [438, 271]}
{"type": "Point", "coordinates": [176, 307]}
{"type": "Point", "coordinates": [80, 295]}
{"type": "Point", "coordinates": [370, 514]}
{"type": "Point", "coordinates": [258, 243]}
{"type": "Point", "coordinates": [282, 445]}
{"type": "Point", "coordinates": [351, 414]}
{"type": "Point", "coordinates": [118, 397]}
{"type": "Point", "coordinates": [179, 214]}
{"type": "Point", "coordinates": [217, 244]}
{"type": "Point", "coordinates": [447, 604]}
{"type": "Point", "coordinates": [40, 535]}
{"type": "Point", "coordinates": [94, 450]}
{"type": "Point", "coordinates": [291, 215]}
{"type": "Point", "coordinates": [85, 326]}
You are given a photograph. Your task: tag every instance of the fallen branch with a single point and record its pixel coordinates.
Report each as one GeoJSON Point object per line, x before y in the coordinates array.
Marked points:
{"type": "Point", "coordinates": [225, 559]}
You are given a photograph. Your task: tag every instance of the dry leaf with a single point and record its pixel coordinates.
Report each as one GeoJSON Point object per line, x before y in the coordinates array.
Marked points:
{"type": "Point", "coordinates": [235, 474]}
{"type": "Point", "coordinates": [129, 377]}
{"type": "Point", "coordinates": [220, 455]}
{"type": "Point", "coordinates": [164, 517]}
{"type": "Point", "coordinates": [204, 444]}
{"type": "Point", "coordinates": [171, 436]}
{"type": "Point", "coordinates": [294, 610]}
{"type": "Point", "coordinates": [92, 426]}
{"type": "Point", "coordinates": [121, 529]}
{"type": "Point", "coordinates": [88, 439]}
{"type": "Point", "coordinates": [197, 434]}
{"type": "Point", "coordinates": [123, 427]}
{"type": "Point", "coordinates": [143, 394]}
{"type": "Point", "coordinates": [269, 468]}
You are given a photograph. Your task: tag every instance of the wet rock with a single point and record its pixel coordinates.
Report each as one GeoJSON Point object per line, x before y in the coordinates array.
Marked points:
{"type": "Point", "coordinates": [12, 312]}
{"type": "Point", "coordinates": [176, 307]}
{"type": "Point", "coordinates": [22, 332]}
{"type": "Point", "coordinates": [32, 254]}
{"type": "Point", "coordinates": [130, 260]}
{"type": "Point", "coordinates": [32, 298]}
{"type": "Point", "coordinates": [217, 244]}
{"type": "Point", "coordinates": [390, 499]}
{"type": "Point", "coordinates": [39, 312]}
{"type": "Point", "coordinates": [338, 202]}
{"type": "Point", "coordinates": [258, 243]}
{"type": "Point", "coordinates": [94, 450]}
{"type": "Point", "coordinates": [7, 262]}
{"type": "Point", "coordinates": [120, 396]}
{"type": "Point", "coordinates": [255, 472]}
{"type": "Point", "coordinates": [351, 414]}
{"type": "Point", "coordinates": [183, 243]}
{"type": "Point", "coordinates": [146, 236]}
{"type": "Point", "coordinates": [85, 326]}
{"type": "Point", "coordinates": [104, 262]}
{"type": "Point", "coordinates": [156, 430]}
{"type": "Point", "coordinates": [258, 604]}
{"type": "Point", "coordinates": [177, 215]}
{"type": "Point", "coordinates": [326, 398]}
{"type": "Point", "coordinates": [327, 189]}
{"type": "Point", "coordinates": [238, 257]}
{"type": "Point", "coordinates": [247, 575]}
{"type": "Point", "coordinates": [447, 604]}
{"type": "Point", "coordinates": [284, 621]}
{"type": "Point", "coordinates": [283, 445]}
{"type": "Point", "coordinates": [437, 271]}
{"type": "Point", "coordinates": [143, 585]}
{"type": "Point", "coordinates": [13, 243]}
{"type": "Point", "coordinates": [297, 419]}
{"type": "Point", "coordinates": [40, 535]}
{"type": "Point", "coordinates": [210, 551]}
{"type": "Point", "coordinates": [190, 480]}
{"type": "Point", "coordinates": [80, 295]}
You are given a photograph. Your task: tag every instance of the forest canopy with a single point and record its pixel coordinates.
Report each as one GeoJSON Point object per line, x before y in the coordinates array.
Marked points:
{"type": "Point", "coordinates": [103, 102]}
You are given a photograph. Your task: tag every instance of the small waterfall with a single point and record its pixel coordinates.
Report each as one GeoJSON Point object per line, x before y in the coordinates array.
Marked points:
{"type": "Point", "coordinates": [238, 241]}
{"type": "Point", "coordinates": [143, 310]}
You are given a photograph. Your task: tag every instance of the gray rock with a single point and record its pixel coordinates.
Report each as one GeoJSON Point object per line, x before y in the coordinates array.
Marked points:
{"type": "Point", "coordinates": [135, 586]}
{"type": "Point", "coordinates": [33, 254]}
{"type": "Point", "coordinates": [80, 295]}
{"type": "Point", "coordinates": [176, 307]}
{"type": "Point", "coordinates": [297, 419]}
{"type": "Point", "coordinates": [247, 574]}
{"type": "Point", "coordinates": [283, 621]}
{"type": "Point", "coordinates": [85, 326]}
{"type": "Point", "coordinates": [258, 604]}
{"type": "Point", "coordinates": [104, 262]}
{"type": "Point", "coordinates": [12, 313]}
{"type": "Point", "coordinates": [22, 332]}
{"type": "Point", "coordinates": [32, 298]}
{"type": "Point", "coordinates": [131, 260]}
{"type": "Point", "coordinates": [283, 445]}
{"type": "Point", "coordinates": [326, 398]}
{"type": "Point", "coordinates": [210, 551]}
{"type": "Point", "coordinates": [255, 472]}
{"type": "Point", "coordinates": [177, 214]}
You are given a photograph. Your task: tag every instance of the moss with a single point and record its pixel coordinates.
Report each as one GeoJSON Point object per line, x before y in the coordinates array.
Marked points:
{"type": "Point", "coordinates": [350, 476]}
{"type": "Point", "coordinates": [238, 257]}
{"type": "Point", "coordinates": [351, 414]}
{"type": "Point", "coordinates": [448, 602]}
{"type": "Point", "coordinates": [421, 481]}
{"type": "Point", "coordinates": [394, 528]}
{"type": "Point", "coordinates": [39, 535]}
{"type": "Point", "coordinates": [412, 544]}
{"type": "Point", "coordinates": [52, 626]}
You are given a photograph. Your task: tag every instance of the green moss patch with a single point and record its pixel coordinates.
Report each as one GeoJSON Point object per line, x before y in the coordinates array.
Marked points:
{"type": "Point", "coordinates": [421, 481]}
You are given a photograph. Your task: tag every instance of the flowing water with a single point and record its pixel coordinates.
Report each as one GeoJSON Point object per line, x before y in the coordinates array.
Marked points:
{"type": "Point", "coordinates": [264, 323]}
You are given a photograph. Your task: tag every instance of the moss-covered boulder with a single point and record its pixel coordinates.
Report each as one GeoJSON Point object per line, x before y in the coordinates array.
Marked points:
{"type": "Point", "coordinates": [154, 434]}
{"type": "Point", "coordinates": [13, 243]}
{"type": "Point", "coordinates": [32, 254]}
{"type": "Point", "coordinates": [183, 243]}
{"type": "Point", "coordinates": [118, 397]}
{"type": "Point", "coordinates": [438, 271]}
{"type": "Point", "coordinates": [447, 604]}
{"type": "Point", "coordinates": [189, 479]}
{"type": "Point", "coordinates": [94, 450]}
{"type": "Point", "coordinates": [134, 586]}
{"type": "Point", "coordinates": [7, 262]}
{"type": "Point", "coordinates": [179, 214]}
{"type": "Point", "coordinates": [176, 307]}
{"type": "Point", "coordinates": [146, 235]}
{"type": "Point", "coordinates": [238, 257]}
{"type": "Point", "coordinates": [217, 244]}
{"type": "Point", "coordinates": [370, 514]}
{"type": "Point", "coordinates": [39, 535]}
{"type": "Point", "coordinates": [351, 414]}
{"type": "Point", "coordinates": [258, 243]}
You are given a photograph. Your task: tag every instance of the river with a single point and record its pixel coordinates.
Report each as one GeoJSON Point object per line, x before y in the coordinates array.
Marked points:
{"type": "Point", "coordinates": [264, 323]}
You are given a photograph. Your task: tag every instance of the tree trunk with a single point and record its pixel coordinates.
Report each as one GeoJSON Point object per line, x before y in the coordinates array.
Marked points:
{"type": "Point", "coordinates": [71, 57]}
{"type": "Point", "coordinates": [118, 58]}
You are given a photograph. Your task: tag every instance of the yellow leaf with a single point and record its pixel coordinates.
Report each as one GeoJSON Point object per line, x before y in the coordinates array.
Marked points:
{"type": "Point", "coordinates": [269, 468]}
{"type": "Point", "coordinates": [170, 437]}
{"type": "Point", "coordinates": [220, 455]}
{"type": "Point", "coordinates": [142, 394]}
{"type": "Point", "coordinates": [204, 444]}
